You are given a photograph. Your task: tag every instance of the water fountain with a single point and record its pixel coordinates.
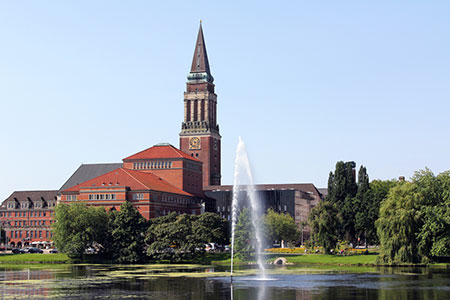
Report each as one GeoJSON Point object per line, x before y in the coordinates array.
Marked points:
{"type": "Point", "coordinates": [243, 181]}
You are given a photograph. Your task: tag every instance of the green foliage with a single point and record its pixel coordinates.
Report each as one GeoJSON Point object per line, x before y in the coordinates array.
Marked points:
{"type": "Point", "coordinates": [78, 227]}
{"type": "Point", "coordinates": [399, 223]}
{"type": "Point", "coordinates": [183, 237]}
{"type": "Point", "coordinates": [244, 236]}
{"type": "Point", "coordinates": [127, 234]}
{"type": "Point", "coordinates": [211, 228]}
{"type": "Point", "coordinates": [324, 222]}
{"type": "Point", "coordinates": [280, 227]}
{"type": "Point", "coordinates": [414, 222]}
{"type": "Point", "coordinates": [434, 235]}
{"type": "Point", "coordinates": [379, 190]}
{"type": "Point", "coordinates": [342, 189]}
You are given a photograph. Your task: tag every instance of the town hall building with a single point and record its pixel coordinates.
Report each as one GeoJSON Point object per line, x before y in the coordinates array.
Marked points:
{"type": "Point", "coordinates": [158, 180]}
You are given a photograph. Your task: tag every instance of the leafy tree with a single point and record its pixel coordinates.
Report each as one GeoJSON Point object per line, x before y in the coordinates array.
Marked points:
{"type": "Point", "coordinates": [244, 236]}
{"type": "Point", "coordinates": [183, 237]}
{"type": "Point", "coordinates": [324, 222]}
{"type": "Point", "coordinates": [434, 235]}
{"type": "Point", "coordinates": [78, 227]}
{"type": "Point", "coordinates": [342, 189]}
{"type": "Point", "coordinates": [127, 233]}
{"type": "Point", "coordinates": [414, 222]}
{"type": "Point", "coordinates": [211, 228]}
{"type": "Point", "coordinates": [280, 227]}
{"type": "Point", "coordinates": [379, 190]}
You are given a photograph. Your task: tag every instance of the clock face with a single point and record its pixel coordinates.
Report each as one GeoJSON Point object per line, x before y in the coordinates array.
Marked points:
{"type": "Point", "coordinates": [194, 143]}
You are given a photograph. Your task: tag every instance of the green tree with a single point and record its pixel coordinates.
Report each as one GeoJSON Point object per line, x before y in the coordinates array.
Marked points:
{"type": "Point", "coordinates": [128, 227]}
{"type": "Point", "coordinates": [280, 227]}
{"type": "Point", "coordinates": [379, 190]}
{"type": "Point", "coordinates": [434, 235]}
{"type": "Point", "coordinates": [244, 236]}
{"type": "Point", "coordinates": [342, 189]}
{"type": "Point", "coordinates": [324, 222]}
{"type": "Point", "coordinates": [414, 222]}
{"type": "Point", "coordinates": [78, 227]}
{"type": "Point", "coordinates": [399, 223]}
{"type": "Point", "coordinates": [183, 237]}
{"type": "Point", "coordinates": [211, 228]}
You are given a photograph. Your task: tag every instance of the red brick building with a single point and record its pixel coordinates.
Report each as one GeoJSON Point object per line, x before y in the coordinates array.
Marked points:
{"type": "Point", "coordinates": [26, 218]}
{"type": "Point", "coordinates": [157, 181]}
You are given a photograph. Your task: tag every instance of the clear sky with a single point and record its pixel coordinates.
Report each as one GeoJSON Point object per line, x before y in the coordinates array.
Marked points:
{"type": "Point", "coordinates": [305, 83]}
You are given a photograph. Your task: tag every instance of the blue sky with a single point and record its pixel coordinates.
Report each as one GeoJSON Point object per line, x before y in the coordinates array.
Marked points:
{"type": "Point", "coordinates": [305, 83]}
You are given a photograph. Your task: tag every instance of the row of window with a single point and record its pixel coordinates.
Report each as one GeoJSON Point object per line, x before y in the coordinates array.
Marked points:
{"type": "Point", "coordinates": [179, 212]}
{"type": "Point", "coordinates": [29, 205]}
{"type": "Point", "coordinates": [177, 200]}
{"type": "Point", "coordinates": [138, 196]}
{"type": "Point", "coordinates": [102, 196]}
{"type": "Point", "coordinates": [30, 234]}
{"type": "Point", "coordinates": [223, 208]}
{"type": "Point", "coordinates": [152, 165]}
{"type": "Point", "coordinates": [26, 214]}
{"type": "Point", "coordinates": [32, 223]}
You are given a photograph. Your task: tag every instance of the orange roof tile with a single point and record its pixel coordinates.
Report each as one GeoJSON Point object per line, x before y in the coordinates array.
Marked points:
{"type": "Point", "coordinates": [135, 180]}
{"type": "Point", "coordinates": [161, 151]}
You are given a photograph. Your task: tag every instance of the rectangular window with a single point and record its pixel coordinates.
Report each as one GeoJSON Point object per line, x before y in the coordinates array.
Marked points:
{"type": "Point", "coordinates": [113, 196]}
{"type": "Point", "coordinates": [40, 233]}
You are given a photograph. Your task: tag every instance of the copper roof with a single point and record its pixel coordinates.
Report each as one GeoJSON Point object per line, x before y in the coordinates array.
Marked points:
{"type": "Point", "coordinates": [200, 63]}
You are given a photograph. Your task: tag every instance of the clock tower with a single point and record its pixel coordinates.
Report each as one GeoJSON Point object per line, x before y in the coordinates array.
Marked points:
{"type": "Point", "coordinates": [199, 136]}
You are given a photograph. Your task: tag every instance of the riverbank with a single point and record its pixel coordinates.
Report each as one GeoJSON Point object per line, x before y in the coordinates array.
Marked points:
{"type": "Point", "coordinates": [309, 259]}
{"type": "Point", "coordinates": [222, 259]}
{"type": "Point", "coordinates": [35, 258]}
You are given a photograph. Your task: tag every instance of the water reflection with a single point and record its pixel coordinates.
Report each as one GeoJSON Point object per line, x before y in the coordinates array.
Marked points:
{"type": "Point", "coordinates": [162, 282]}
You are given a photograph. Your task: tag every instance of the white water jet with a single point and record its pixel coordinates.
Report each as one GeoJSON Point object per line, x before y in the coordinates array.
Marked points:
{"type": "Point", "coordinates": [242, 171]}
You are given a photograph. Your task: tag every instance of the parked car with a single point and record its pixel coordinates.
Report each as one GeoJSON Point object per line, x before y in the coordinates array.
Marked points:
{"type": "Point", "coordinates": [35, 250]}
{"type": "Point", "coordinates": [18, 250]}
{"type": "Point", "coordinates": [54, 250]}
{"type": "Point", "coordinates": [89, 250]}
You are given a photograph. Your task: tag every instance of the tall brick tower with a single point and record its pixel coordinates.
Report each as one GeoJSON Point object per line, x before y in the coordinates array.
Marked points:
{"type": "Point", "coordinates": [199, 136]}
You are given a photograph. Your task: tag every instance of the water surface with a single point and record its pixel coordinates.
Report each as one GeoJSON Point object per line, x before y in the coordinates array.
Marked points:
{"type": "Point", "coordinates": [206, 282]}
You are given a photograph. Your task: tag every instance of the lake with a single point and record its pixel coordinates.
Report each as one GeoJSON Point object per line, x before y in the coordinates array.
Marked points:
{"type": "Point", "coordinates": [170, 282]}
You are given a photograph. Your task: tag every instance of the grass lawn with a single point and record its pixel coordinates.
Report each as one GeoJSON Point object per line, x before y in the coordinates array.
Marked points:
{"type": "Point", "coordinates": [332, 259]}
{"type": "Point", "coordinates": [34, 258]}
{"type": "Point", "coordinates": [319, 259]}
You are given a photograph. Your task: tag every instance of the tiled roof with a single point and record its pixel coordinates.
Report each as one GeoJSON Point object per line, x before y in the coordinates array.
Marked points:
{"type": "Point", "coordinates": [88, 171]}
{"type": "Point", "coordinates": [33, 195]}
{"type": "Point", "coordinates": [134, 180]}
{"type": "Point", "coordinates": [161, 151]}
